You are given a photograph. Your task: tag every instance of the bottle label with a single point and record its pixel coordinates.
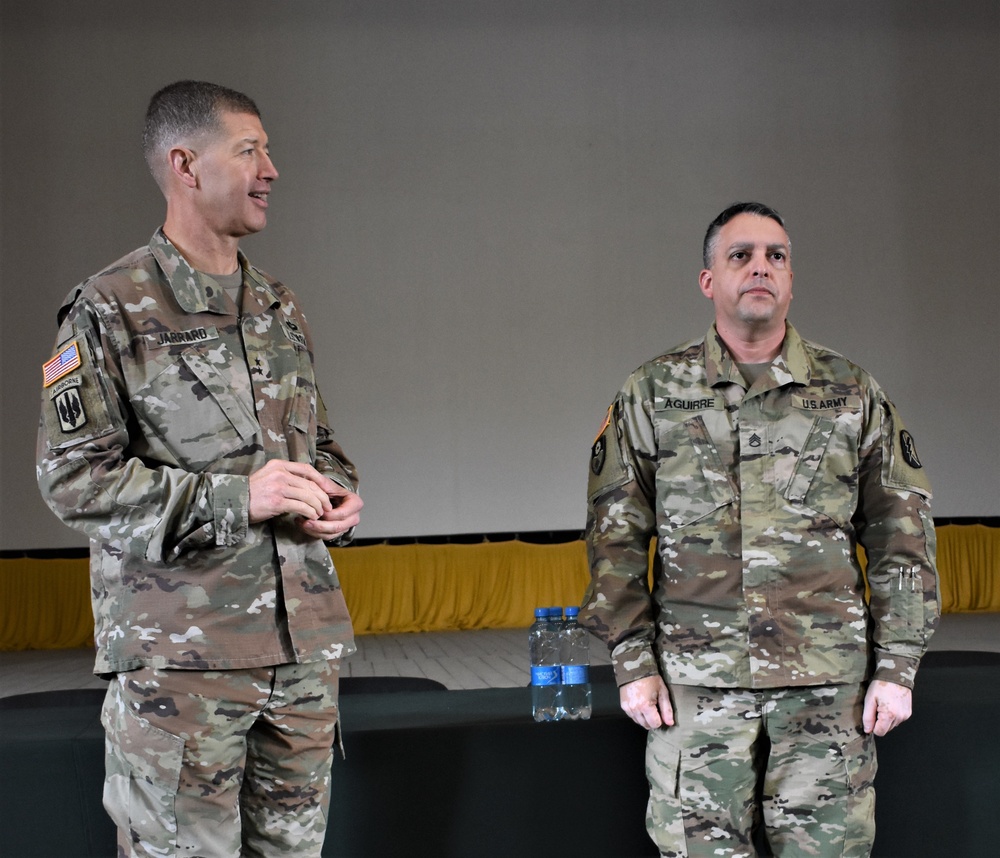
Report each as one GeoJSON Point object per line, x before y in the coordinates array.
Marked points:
{"type": "Point", "coordinates": [575, 674]}
{"type": "Point", "coordinates": [546, 674]}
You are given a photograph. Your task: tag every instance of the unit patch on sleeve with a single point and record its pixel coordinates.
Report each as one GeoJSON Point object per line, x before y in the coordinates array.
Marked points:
{"type": "Point", "coordinates": [908, 449]}
{"type": "Point", "coordinates": [901, 466]}
{"type": "Point", "coordinates": [68, 405]}
{"type": "Point", "coordinates": [607, 467]}
{"type": "Point", "coordinates": [598, 454]}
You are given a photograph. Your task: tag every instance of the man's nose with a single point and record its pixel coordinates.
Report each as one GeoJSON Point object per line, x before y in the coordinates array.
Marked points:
{"type": "Point", "coordinates": [761, 268]}
{"type": "Point", "coordinates": [267, 169]}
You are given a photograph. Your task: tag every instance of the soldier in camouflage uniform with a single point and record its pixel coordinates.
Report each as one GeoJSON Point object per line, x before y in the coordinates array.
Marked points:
{"type": "Point", "coordinates": [183, 433]}
{"type": "Point", "coordinates": [758, 462]}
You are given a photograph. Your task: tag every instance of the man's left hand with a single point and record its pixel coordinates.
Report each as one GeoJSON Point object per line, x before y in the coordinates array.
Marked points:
{"type": "Point", "coordinates": [345, 513]}
{"type": "Point", "coordinates": [887, 705]}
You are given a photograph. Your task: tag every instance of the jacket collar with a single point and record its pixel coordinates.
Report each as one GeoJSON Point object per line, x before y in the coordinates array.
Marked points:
{"type": "Point", "coordinates": [791, 366]}
{"type": "Point", "coordinates": [198, 293]}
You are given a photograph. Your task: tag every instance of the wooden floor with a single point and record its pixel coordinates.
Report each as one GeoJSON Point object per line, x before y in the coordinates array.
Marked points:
{"type": "Point", "coordinates": [487, 658]}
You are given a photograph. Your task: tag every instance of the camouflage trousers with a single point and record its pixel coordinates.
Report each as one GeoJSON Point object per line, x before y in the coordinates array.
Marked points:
{"type": "Point", "coordinates": [221, 764]}
{"type": "Point", "coordinates": [794, 760]}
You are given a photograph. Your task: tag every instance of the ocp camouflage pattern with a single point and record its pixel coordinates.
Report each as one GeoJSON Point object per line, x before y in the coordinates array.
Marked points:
{"type": "Point", "coordinates": [177, 759]}
{"type": "Point", "coordinates": [757, 500]}
{"type": "Point", "coordinates": [147, 448]}
{"type": "Point", "coordinates": [817, 793]}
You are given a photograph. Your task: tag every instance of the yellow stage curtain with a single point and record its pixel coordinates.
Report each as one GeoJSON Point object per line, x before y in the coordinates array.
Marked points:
{"type": "Point", "coordinates": [409, 588]}
{"type": "Point", "coordinates": [968, 559]}
{"type": "Point", "coordinates": [45, 603]}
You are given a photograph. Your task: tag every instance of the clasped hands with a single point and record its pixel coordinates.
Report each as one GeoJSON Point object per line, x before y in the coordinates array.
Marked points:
{"type": "Point", "coordinates": [325, 509]}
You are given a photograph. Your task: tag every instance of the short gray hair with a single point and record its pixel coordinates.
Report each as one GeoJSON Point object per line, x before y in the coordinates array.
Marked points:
{"type": "Point", "coordinates": [184, 109]}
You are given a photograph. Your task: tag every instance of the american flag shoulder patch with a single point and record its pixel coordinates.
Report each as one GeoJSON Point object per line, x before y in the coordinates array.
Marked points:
{"type": "Point", "coordinates": [62, 364]}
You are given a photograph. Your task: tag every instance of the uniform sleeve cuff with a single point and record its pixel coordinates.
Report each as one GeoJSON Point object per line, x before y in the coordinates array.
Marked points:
{"type": "Point", "coordinates": [633, 661]}
{"type": "Point", "coordinates": [899, 669]}
{"type": "Point", "coordinates": [231, 508]}
{"type": "Point", "coordinates": [341, 480]}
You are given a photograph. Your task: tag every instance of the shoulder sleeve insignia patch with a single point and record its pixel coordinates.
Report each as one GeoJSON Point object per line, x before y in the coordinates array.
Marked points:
{"type": "Point", "coordinates": [69, 408]}
{"type": "Point", "coordinates": [608, 469]}
{"type": "Point", "coordinates": [901, 466]}
{"type": "Point", "coordinates": [908, 449]}
{"type": "Point", "coordinates": [598, 454]}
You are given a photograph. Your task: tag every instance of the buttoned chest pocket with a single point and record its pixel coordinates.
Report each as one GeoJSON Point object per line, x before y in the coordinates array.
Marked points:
{"type": "Point", "coordinates": [691, 481]}
{"type": "Point", "coordinates": [190, 410]}
{"type": "Point", "coordinates": [820, 455]}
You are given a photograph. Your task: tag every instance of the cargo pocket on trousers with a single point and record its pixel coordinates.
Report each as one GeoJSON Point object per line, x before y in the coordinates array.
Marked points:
{"type": "Point", "coordinates": [858, 815]}
{"type": "Point", "coordinates": [142, 774]}
{"type": "Point", "coordinates": [859, 760]}
{"type": "Point", "coordinates": [664, 818]}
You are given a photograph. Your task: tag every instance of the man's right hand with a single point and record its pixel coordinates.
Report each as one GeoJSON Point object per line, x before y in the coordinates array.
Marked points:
{"type": "Point", "coordinates": [290, 487]}
{"type": "Point", "coordinates": [647, 702]}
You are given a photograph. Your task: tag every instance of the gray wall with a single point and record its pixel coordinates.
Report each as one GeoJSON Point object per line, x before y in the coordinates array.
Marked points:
{"type": "Point", "coordinates": [492, 212]}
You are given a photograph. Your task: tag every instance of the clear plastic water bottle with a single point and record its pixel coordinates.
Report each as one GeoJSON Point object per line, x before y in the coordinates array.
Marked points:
{"type": "Point", "coordinates": [556, 618]}
{"type": "Point", "coordinates": [543, 648]}
{"type": "Point", "coordinates": [557, 621]}
{"type": "Point", "coordinates": [574, 660]}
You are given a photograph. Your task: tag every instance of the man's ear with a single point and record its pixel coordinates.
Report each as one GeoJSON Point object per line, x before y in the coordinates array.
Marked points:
{"type": "Point", "coordinates": [705, 283]}
{"type": "Point", "coordinates": [181, 161]}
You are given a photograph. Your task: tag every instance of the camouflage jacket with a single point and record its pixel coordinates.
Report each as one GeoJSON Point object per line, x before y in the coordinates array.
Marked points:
{"type": "Point", "coordinates": [158, 403]}
{"type": "Point", "coordinates": [757, 500]}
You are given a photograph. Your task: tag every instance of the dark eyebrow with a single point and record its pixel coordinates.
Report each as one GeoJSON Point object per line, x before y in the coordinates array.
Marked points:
{"type": "Point", "coordinates": [749, 245]}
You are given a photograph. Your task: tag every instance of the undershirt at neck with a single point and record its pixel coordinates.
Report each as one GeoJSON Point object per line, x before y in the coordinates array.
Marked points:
{"type": "Point", "coordinates": [752, 371]}
{"type": "Point", "coordinates": [233, 284]}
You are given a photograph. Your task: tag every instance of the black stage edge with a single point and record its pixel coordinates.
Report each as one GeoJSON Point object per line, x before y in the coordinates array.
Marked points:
{"type": "Point", "coordinates": [456, 774]}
